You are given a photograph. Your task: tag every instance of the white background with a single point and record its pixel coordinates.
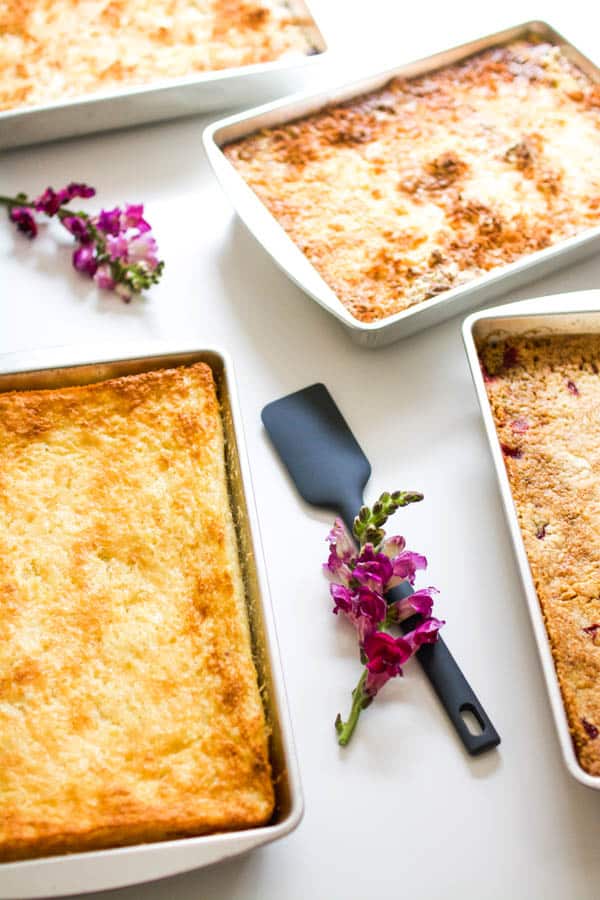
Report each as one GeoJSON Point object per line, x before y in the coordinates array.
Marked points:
{"type": "Point", "coordinates": [403, 811]}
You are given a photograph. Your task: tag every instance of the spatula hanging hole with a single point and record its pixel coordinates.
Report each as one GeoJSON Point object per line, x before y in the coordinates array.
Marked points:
{"type": "Point", "coordinates": [470, 717]}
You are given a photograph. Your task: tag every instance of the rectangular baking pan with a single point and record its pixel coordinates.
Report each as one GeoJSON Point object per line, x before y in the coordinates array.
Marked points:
{"type": "Point", "coordinates": [574, 313]}
{"type": "Point", "coordinates": [80, 873]}
{"type": "Point", "coordinates": [159, 100]}
{"type": "Point", "coordinates": [295, 264]}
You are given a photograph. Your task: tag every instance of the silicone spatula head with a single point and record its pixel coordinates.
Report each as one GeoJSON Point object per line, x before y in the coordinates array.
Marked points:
{"type": "Point", "coordinates": [320, 452]}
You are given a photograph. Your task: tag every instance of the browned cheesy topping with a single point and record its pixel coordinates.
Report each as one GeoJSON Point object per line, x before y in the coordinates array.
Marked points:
{"type": "Point", "coordinates": [56, 49]}
{"type": "Point", "coordinates": [545, 399]}
{"type": "Point", "coordinates": [414, 189]}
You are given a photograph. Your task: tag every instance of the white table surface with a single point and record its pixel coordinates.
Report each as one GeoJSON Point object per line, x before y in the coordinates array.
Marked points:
{"type": "Point", "coordinates": [403, 811]}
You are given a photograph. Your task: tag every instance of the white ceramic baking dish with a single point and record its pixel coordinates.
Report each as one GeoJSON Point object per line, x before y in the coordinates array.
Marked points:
{"type": "Point", "coordinates": [159, 100]}
{"type": "Point", "coordinates": [81, 873]}
{"type": "Point", "coordinates": [574, 313]}
{"type": "Point", "coordinates": [295, 264]}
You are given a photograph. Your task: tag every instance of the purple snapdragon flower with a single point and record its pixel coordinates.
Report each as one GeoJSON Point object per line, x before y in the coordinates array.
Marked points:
{"type": "Point", "coordinates": [51, 201]}
{"type": "Point", "coordinates": [109, 221]}
{"type": "Point", "coordinates": [84, 259]}
{"type": "Point", "coordinates": [24, 221]}
{"type": "Point", "coordinates": [364, 608]}
{"type": "Point", "coordinates": [361, 575]}
{"type": "Point", "coordinates": [385, 657]}
{"type": "Point", "coordinates": [79, 228]}
{"type": "Point", "coordinates": [115, 248]}
{"type": "Point", "coordinates": [357, 574]}
{"type": "Point", "coordinates": [381, 569]}
{"type": "Point", "coordinates": [116, 221]}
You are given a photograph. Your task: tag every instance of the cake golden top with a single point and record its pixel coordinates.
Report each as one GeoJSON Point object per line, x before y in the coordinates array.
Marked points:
{"type": "Point", "coordinates": [129, 703]}
{"type": "Point", "coordinates": [53, 50]}
{"type": "Point", "coordinates": [545, 396]}
{"type": "Point", "coordinates": [421, 186]}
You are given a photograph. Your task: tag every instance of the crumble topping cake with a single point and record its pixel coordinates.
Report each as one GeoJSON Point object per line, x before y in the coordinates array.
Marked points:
{"type": "Point", "coordinates": [129, 704]}
{"type": "Point", "coordinates": [58, 49]}
{"type": "Point", "coordinates": [545, 399]}
{"type": "Point", "coordinates": [404, 193]}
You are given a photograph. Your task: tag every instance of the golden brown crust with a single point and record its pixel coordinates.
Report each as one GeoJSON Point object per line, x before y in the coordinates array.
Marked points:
{"type": "Point", "coordinates": [129, 703]}
{"type": "Point", "coordinates": [407, 192]}
{"type": "Point", "coordinates": [545, 396]}
{"type": "Point", "coordinates": [52, 49]}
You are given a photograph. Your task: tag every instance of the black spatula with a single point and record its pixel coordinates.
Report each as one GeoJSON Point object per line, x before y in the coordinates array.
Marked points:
{"type": "Point", "coordinates": [330, 470]}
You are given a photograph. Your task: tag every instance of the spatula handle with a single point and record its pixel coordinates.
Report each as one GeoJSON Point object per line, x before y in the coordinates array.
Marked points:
{"type": "Point", "coordinates": [451, 686]}
{"type": "Point", "coordinates": [457, 697]}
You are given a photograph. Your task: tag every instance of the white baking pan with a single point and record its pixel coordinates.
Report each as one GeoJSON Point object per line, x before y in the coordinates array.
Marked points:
{"type": "Point", "coordinates": [574, 313]}
{"type": "Point", "coordinates": [295, 264]}
{"type": "Point", "coordinates": [80, 873]}
{"type": "Point", "coordinates": [159, 100]}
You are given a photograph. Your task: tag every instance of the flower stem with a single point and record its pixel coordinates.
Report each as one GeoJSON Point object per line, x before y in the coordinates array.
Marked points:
{"type": "Point", "coordinates": [62, 212]}
{"type": "Point", "coordinates": [13, 201]}
{"type": "Point", "coordinates": [360, 701]}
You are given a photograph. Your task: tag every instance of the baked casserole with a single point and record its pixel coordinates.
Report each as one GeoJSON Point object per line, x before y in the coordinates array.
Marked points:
{"type": "Point", "coordinates": [427, 183]}
{"type": "Point", "coordinates": [130, 709]}
{"type": "Point", "coordinates": [544, 394]}
{"type": "Point", "coordinates": [52, 50]}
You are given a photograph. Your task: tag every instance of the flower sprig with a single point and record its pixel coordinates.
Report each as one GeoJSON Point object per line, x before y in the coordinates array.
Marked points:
{"type": "Point", "coordinates": [368, 523]}
{"type": "Point", "coordinates": [114, 248]}
{"type": "Point", "coordinates": [361, 577]}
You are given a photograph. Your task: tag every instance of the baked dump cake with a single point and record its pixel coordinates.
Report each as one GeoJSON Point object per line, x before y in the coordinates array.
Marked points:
{"type": "Point", "coordinates": [545, 399]}
{"type": "Point", "coordinates": [57, 49]}
{"type": "Point", "coordinates": [129, 703]}
{"type": "Point", "coordinates": [403, 193]}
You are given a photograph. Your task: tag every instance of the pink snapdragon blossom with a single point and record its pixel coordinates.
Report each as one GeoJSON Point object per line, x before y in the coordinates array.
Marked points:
{"type": "Point", "coordinates": [117, 246]}
{"type": "Point", "coordinates": [143, 249]}
{"type": "Point", "coordinates": [378, 569]}
{"type": "Point", "coordinates": [78, 227]}
{"type": "Point", "coordinates": [361, 578]}
{"type": "Point", "coordinates": [24, 221]}
{"type": "Point", "coordinates": [342, 551]}
{"type": "Point", "coordinates": [386, 654]}
{"type": "Point", "coordinates": [133, 217]}
{"type": "Point", "coordinates": [419, 602]}
{"type": "Point", "coordinates": [77, 189]}
{"type": "Point", "coordinates": [364, 608]}
{"type": "Point", "coordinates": [108, 221]}
{"type": "Point", "coordinates": [385, 657]}
{"type": "Point", "coordinates": [84, 259]}
{"type": "Point", "coordinates": [426, 632]}
{"type": "Point", "coordinates": [114, 221]}
{"type": "Point", "coordinates": [103, 277]}
{"type": "Point", "coordinates": [50, 201]}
